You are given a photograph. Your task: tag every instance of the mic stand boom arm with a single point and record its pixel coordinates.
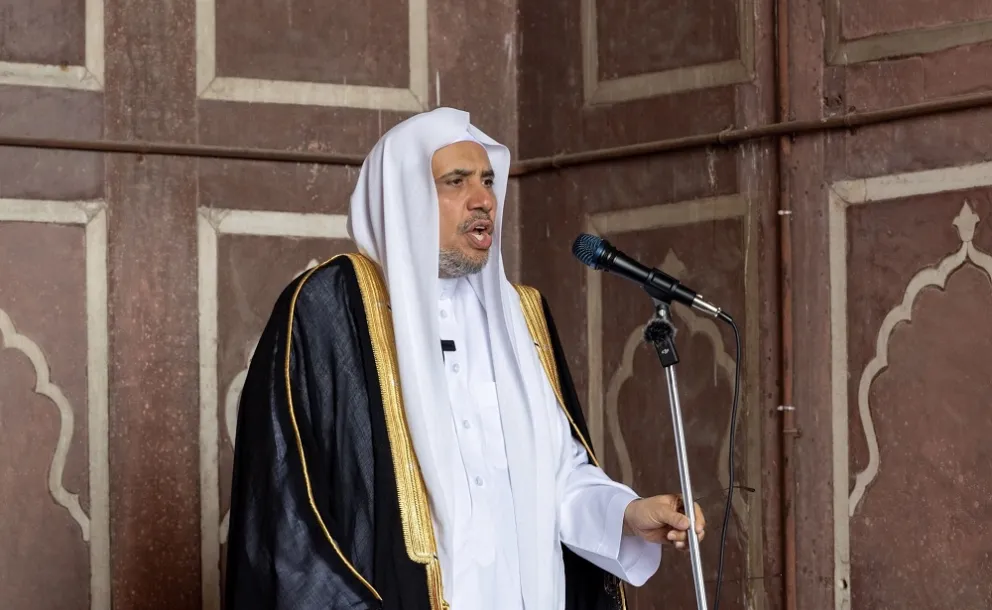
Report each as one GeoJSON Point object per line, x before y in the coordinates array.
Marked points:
{"type": "Point", "coordinates": [661, 333]}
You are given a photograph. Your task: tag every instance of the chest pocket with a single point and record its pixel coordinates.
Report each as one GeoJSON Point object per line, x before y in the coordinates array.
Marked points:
{"type": "Point", "coordinates": [494, 446]}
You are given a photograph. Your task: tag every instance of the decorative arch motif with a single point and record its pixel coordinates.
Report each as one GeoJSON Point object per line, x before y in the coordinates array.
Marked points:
{"type": "Point", "coordinates": [11, 339]}
{"type": "Point", "coordinates": [723, 363]}
{"type": "Point", "coordinates": [232, 398]}
{"type": "Point", "coordinates": [965, 222]}
{"type": "Point", "coordinates": [624, 372]}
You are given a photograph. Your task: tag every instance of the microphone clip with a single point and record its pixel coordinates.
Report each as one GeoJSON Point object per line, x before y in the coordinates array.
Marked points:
{"type": "Point", "coordinates": [667, 295]}
{"type": "Point", "coordinates": [660, 332]}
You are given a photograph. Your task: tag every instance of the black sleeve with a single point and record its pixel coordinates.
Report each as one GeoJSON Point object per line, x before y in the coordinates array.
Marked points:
{"type": "Point", "coordinates": [571, 398]}
{"type": "Point", "coordinates": [302, 501]}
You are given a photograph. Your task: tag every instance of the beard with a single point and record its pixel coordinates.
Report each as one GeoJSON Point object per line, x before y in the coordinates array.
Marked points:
{"type": "Point", "coordinates": [454, 264]}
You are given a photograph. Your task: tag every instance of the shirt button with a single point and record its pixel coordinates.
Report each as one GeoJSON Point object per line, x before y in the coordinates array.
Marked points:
{"type": "Point", "coordinates": [455, 367]}
{"type": "Point", "coordinates": [444, 314]}
{"type": "Point", "coordinates": [478, 481]}
{"type": "Point", "coordinates": [465, 424]}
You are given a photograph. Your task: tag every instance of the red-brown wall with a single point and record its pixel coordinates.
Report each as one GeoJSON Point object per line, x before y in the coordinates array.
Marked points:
{"type": "Point", "coordinates": [137, 285]}
{"type": "Point", "coordinates": [132, 288]}
{"type": "Point", "coordinates": [873, 210]}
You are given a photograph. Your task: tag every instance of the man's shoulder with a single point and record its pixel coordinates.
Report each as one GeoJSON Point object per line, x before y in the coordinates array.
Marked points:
{"type": "Point", "coordinates": [531, 298]}
{"type": "Point", "coordinates": [331, 270]}
{"type": "Point", "coordinates": [332, 282]}
{"type": "Point", "coordinates": [523, 289]}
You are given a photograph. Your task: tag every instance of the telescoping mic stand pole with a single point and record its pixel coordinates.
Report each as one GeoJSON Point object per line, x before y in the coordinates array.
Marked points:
{"type": "Point", "coordinates": [661, 333]}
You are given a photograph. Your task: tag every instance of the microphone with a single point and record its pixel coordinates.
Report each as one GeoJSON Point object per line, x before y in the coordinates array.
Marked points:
{"type": "Point", "coordinates": [600, 255]}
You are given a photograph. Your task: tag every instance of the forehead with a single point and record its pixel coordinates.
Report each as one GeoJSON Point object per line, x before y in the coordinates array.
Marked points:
{"type": "Point", "coordinates": [463, 155]}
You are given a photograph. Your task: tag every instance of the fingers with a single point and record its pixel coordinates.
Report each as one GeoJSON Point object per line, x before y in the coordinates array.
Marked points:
{"type": "Point", "coordinates": [700, 522]}
{"type": "Point", "coordinates": [673, 517]}
{"type": "Point", "coordinates": [664, 519]}
{"type": "Point", "coordinates": [657, 535]}
{"type": "Point", "coordinates": [670, 516]}
{"type": "Point", "coordinates": [680, 522]}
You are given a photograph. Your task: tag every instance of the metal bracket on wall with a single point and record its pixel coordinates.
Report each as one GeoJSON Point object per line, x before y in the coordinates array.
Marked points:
{"type": "Point", "coordinates": [794, 432]}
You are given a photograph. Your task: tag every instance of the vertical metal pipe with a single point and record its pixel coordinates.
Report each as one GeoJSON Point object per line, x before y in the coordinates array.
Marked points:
{"type": "Point", "coordinates": [786, 407]}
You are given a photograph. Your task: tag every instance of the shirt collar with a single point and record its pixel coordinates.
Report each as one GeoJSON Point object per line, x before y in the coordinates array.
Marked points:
{"type": "Point", "coordinates": [446, 287]}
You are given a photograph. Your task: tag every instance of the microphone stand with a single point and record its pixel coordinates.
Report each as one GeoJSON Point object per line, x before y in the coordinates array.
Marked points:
{"type": "Point", "coordinates": [660, 332]}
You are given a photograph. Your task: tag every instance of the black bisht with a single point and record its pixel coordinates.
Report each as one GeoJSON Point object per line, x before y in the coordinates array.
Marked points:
{"type": "Point", "coordinates": [325, 533]}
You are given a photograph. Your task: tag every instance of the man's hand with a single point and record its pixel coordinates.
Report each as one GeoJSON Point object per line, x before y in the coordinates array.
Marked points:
{"type": "Point", "coordinates": [661, 519]}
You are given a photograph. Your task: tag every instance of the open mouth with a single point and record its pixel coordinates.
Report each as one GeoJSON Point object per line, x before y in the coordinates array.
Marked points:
{"type": "Point", "coordinates": [481, 233]}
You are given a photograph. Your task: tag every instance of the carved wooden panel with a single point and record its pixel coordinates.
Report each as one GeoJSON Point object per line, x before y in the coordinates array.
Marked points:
{"type": "Point", "coordinates": [911, 284]}
{"type": "Point", "coordinates": [311, 53]}
{"type": "Point", "coordinates": [644, 49]}
{"type": "Point", "coordinates": [52, 43]}
{"type": "Point", "coordinates": [866, 31]}
{"type": "Point", "coordinates": [54, 518]}
{"type": "Point", "coordinates": [599, 74]}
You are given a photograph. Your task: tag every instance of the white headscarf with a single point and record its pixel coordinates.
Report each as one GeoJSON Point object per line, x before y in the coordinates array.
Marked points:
{"type": "Point", "coordinates": [394, 220]}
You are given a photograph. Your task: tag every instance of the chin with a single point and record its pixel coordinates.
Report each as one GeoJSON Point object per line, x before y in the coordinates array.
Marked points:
{"type": "Point", "coordinates": [478, 257]}
{"type": "Point", "coordinates": [460, 263]}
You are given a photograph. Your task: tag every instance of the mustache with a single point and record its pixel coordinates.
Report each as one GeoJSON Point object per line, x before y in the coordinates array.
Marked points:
{"type": "Point", "coordinates": [466, 226]}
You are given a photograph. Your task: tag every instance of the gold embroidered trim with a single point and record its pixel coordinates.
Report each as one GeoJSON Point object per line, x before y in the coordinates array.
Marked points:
{"type": "Point", "coordinates": [530, 302]}
{"type": "Point", "coordinates": [299, 441]}
{"type": "Point", "coordinates": [415, 514]}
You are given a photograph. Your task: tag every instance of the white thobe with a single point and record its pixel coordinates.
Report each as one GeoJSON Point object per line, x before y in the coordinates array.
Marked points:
{"type": "Point", "coordinates": [484, 543]}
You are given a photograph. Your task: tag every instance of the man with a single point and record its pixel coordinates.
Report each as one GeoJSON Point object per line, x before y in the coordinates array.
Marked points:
{"type": "Point", "coordinates": [409, 435]}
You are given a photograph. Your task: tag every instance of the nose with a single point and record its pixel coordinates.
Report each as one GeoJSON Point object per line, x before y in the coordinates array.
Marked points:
{"type": "Point", "coordinates": [482, 199]}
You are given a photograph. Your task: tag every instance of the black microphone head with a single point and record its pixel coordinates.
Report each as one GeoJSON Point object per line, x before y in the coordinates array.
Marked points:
{"type": "Point", "coordinates": [658, 330]}
{"type": "Point", "coordinates": [589, 249]}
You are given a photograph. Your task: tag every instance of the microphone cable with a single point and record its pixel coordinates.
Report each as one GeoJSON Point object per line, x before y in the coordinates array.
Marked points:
{"type": "Point", "coordinates": [730, 460]}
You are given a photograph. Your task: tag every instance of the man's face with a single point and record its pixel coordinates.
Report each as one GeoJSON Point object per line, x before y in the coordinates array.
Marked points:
{"type": "Point", "coordinates": [466, 205]}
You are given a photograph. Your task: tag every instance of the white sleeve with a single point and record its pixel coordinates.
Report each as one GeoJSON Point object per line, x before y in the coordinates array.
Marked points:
{"type": "Point", "coordinates": [592, 510]}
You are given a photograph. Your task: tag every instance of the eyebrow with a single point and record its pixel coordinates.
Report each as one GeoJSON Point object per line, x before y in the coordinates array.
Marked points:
{"type": "Point", "coordinates": [465, 173]}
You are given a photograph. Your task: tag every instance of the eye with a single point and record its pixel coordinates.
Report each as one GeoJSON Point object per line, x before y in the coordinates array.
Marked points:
{"type": "Point", "coordinates": [455, 181]}
{"type": "Point", "coordinates": [489, 182]}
